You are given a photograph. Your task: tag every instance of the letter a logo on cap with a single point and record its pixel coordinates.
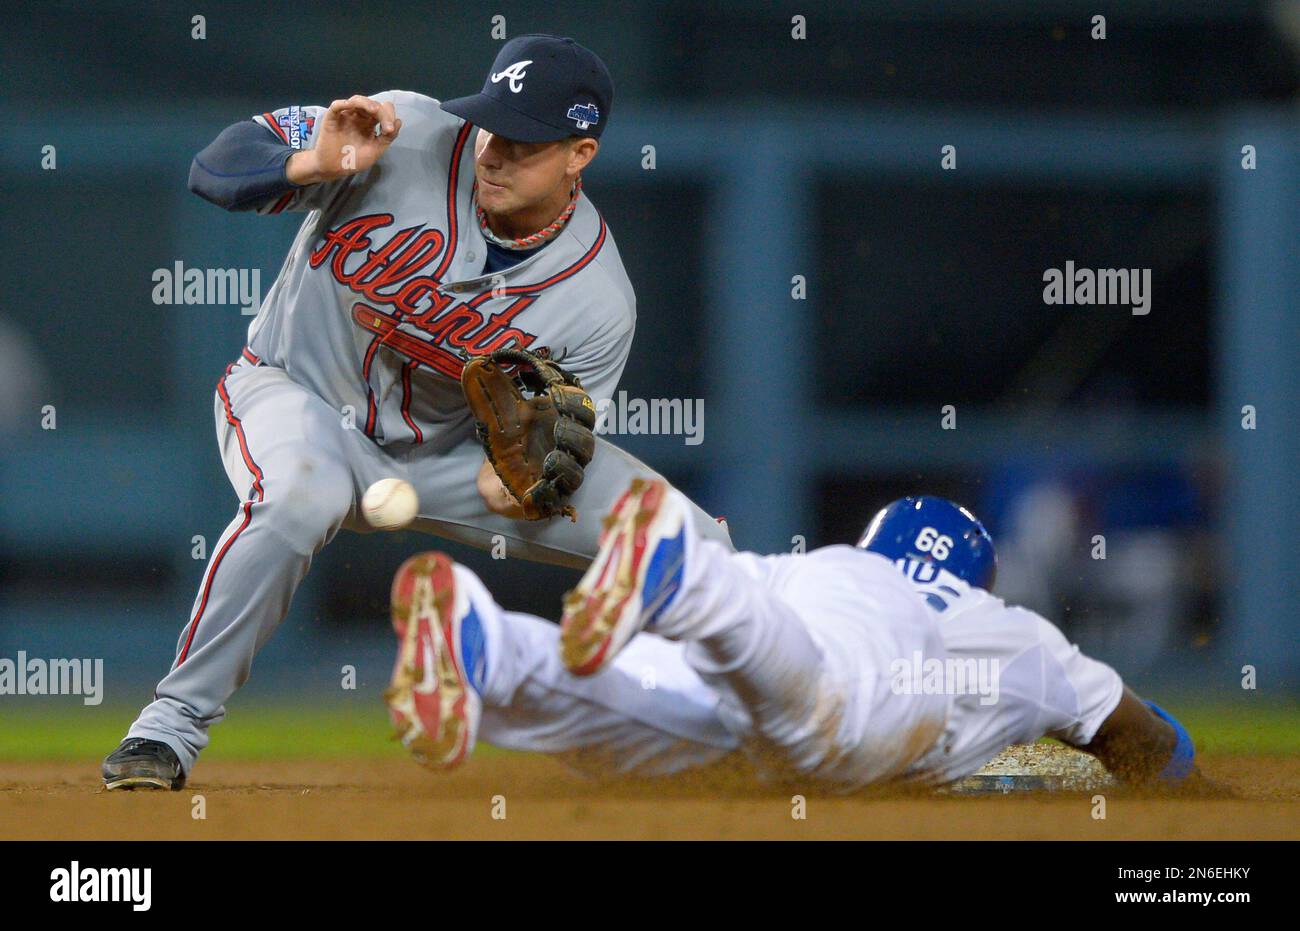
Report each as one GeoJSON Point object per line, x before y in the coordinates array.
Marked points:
{"type": "Point", "coordinates": [515, 73]}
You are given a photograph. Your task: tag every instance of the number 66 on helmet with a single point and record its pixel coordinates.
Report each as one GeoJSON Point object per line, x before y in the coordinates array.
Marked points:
{"type": "Point", "coordinates": [937, 531]}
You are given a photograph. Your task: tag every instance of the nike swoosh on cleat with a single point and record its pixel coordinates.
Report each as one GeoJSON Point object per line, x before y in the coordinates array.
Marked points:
{"type": "Point", "coordinates": [651, 609]}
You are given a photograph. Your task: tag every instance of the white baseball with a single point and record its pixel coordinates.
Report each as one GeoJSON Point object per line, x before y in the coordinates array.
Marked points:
{"type": "Point", "coordinates": [390, 504]}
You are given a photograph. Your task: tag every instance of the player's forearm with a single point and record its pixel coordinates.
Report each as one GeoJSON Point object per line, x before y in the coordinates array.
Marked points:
{"type": "Point", "coordinates": [1134, 743]}
{"type": "Point", "coordinates": [243, 168]}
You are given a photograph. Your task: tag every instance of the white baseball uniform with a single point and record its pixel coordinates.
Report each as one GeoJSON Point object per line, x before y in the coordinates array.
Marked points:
{"type": "Point", "coordinates": [820, 665]}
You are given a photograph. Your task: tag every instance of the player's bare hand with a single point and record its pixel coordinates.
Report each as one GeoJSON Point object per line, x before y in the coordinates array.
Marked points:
{"type": "Point", "coordinates": [495, 495]}
{"type": "Point", "coordinates": [352, 136]}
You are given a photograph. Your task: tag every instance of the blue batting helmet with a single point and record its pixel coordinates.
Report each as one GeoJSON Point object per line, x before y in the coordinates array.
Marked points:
{"type": "Point", "coordinates": [934, 530]}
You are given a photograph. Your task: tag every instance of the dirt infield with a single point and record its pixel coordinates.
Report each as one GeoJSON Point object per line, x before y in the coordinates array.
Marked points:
{"type": "Point", "coordinates": [379, 799]}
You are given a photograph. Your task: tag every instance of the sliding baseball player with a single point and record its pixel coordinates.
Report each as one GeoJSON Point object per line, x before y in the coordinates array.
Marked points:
{"type": "Point", "coordinates": [888, 661]}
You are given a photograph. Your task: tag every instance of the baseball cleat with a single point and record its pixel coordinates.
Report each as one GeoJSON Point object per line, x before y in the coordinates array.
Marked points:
{"type": "Point", "coordinates": [139, 763]}
{"type": "Point", "coordinates": [636, 573]}
{"type": "Point", "coordinates": [433, 699]}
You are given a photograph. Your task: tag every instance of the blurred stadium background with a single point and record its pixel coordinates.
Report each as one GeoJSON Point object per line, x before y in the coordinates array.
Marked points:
{"type": "Point", "coordinates": [775, 157]}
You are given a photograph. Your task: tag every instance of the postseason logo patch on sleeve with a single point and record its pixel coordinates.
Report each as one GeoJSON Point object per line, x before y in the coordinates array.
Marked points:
{"type": "Point", "coordinates": [297, 125]}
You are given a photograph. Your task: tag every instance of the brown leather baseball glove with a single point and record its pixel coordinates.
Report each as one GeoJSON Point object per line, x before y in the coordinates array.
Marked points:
{"type": "Point", "coordinates": [537, 444]}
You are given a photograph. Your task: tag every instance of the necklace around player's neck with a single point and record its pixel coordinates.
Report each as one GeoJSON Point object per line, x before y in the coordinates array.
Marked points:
{"type": "Point", "coordinates": [532, 240]}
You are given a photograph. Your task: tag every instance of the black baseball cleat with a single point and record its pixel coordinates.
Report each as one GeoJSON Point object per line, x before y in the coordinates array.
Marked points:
{"type": "Point", "coordinates": [142, 764]}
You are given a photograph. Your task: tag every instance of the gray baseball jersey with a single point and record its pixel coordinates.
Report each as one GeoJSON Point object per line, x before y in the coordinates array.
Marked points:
{"type": "Point", "coordinates": [383, 287]}
{"type": "Point", "coordinates": [351, 374]}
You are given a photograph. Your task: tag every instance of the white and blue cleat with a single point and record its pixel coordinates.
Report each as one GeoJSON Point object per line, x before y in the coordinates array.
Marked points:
{"type": "Point", "coordinates": [634, 578]}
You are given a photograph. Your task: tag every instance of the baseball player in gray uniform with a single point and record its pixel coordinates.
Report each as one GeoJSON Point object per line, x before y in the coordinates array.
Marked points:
{"type": "Point", "coordinates": [433, 230]}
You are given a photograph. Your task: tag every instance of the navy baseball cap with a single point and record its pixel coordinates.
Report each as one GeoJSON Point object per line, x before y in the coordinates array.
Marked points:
{"type": "Point", "coordinates": [541, 89]}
